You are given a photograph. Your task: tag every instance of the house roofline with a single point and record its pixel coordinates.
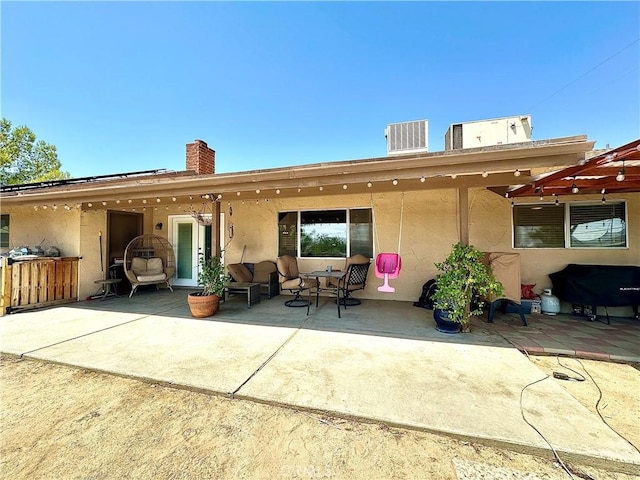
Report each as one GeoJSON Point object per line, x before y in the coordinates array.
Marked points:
{"type": "Point", "coordinates": [447, 169]}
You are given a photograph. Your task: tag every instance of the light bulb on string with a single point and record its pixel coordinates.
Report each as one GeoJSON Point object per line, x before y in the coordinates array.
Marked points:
{"type": "Point", "coordinates": [574, 187]}
{"type": "Point", "coordinates": [620, 177]}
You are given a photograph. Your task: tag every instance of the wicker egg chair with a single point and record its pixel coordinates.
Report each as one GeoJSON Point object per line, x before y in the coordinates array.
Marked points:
{"type": "Point", "coordinates": [149, 260]}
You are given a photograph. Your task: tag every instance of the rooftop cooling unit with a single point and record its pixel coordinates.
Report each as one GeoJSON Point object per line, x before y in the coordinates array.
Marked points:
{"type": "Point", "coordinates": [407, 137]}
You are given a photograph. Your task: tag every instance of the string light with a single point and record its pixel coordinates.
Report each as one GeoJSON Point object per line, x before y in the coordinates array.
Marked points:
{"type": "Point", "coordinates": [620, 177]}
{"type": "Point", "coordinates": [344, 187]}
{"type": "Point", "coordinates": [422, 179]}
{"type": "Point", "coordinates": [395, 181]}
{"type": "Point", "coordinates": [574, 187]}
{"type": "Point", "coordinates": [556, 202]}
{"type": "Point", "coordinates": [238, 194]}
{"type": "Point", "coordinates": [257, 190]}
{"type": "Point", "coordinates": [454, 176]}
{"type": "Point", "coordinates": [516, 173]}
{"type": "Point", "coordinates": [118, 201]}
{"type": "Point", "coordinates": [104, 204]}
{"type": "Point", "coordinates": [485, 174]}
{"type": "Point", "coordinates": [277, 191]}
{"type": "Point", "coordinates": [604, 200]}
{"type": "Point", "coordinates": [89, 204]}
{"type": "Point", "coordinates": [541, 193]}
{"type": "Point", "coordinates": [369, 184]}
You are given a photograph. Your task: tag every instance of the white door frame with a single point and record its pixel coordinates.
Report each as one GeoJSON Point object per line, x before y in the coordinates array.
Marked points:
{"type": "Point", "coordinates": [196, 246]}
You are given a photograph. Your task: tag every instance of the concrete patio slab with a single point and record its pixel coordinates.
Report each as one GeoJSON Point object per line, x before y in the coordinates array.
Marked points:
{"type": "Point", "coordinates": [472, 391]}
{"type": "Point", "coordinates": [201, 354]}
{"type": "Point", "coordinates": [30, 331]}
{"type": "Point", "coordinates": [382, 361]}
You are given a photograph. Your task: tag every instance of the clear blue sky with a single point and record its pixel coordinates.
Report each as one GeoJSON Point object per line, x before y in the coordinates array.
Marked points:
{"type": "Point", "coordinates": [120, 87]}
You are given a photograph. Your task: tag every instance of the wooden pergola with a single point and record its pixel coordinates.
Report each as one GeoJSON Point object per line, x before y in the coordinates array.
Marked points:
{"type": "Point", "coordinates": [613, 171]}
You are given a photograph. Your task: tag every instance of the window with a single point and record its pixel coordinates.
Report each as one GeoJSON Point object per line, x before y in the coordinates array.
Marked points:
{"type": "Point", "coordinates": [571, 225]}
{"type": "Point", "coordinates": [326, 233]}
{"type": "Point", "coordinates": [598, 226]}
{"type": "Point", "coordinates": [538, 226]}
{"type": "Point", "coordinates": [4, 231]}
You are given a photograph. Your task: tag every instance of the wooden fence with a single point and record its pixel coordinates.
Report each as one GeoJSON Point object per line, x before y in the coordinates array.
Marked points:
{"type": "Point", "coordinates": [37, 282]}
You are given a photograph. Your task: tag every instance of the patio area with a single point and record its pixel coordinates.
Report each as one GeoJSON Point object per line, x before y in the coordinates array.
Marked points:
{"type": "Point", "coordinates": [383, 361]}
{"type": "Point", "coordinates": [562, 334]}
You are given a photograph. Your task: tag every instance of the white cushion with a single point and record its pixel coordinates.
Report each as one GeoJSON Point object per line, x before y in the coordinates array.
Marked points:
{"type": "Point", "coordinates": [139, 266]}
{"type": "Point", "coordinates": [152, 278]}
{"type": "Point", "coordinates": [154, 266]}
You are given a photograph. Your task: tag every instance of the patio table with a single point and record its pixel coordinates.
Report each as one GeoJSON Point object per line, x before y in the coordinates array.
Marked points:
{"type": "Point", "coordinates": [325, 274]}
{"type": "Point", "coordinates": [252, 290]}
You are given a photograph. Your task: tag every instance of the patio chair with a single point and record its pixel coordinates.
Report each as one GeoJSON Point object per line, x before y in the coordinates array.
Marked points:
{"type": "Point", "coordinates": [149, 260]}
{"type": "Point", "coordinates": [357, 267]}
{"type": "Point", "coordinates": [290, 279]}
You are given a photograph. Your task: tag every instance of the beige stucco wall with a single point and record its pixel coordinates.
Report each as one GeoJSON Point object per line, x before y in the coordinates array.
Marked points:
{"type": "Point", "coordinates": [92, 223]}
{"type": "Point", "coordinates": [30, 227]}
{"type": "Point", "coordinates": [429, 229]}
{"type": "Point", "coordinates": [490, 229]}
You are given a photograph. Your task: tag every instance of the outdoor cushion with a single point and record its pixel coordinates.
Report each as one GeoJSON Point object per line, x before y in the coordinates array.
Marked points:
{"type": "Point", "coordinates": [156, 277]}
{"type": "Point", "coordinates": [139, 265]}
{"type": "Point", "coordinates": [299, 283]}
{"type": "Point", "coordinates": [240, 273]}
{"type": "Point", "coordinates": [154, 266]}
{"type": "Point", "coordinates": [262, 270]}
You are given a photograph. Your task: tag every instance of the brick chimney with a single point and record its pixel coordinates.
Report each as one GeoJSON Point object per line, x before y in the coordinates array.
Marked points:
{"type": "Point", "coordinates": [201, 158]}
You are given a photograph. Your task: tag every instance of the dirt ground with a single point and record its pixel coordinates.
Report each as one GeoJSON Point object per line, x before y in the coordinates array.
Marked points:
{"type": "Point", "coordinates": [60, 422]}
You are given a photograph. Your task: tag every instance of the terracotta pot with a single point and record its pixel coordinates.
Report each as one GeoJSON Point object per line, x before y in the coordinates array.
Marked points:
{"type": "Point", "coordinates": [202, 306]}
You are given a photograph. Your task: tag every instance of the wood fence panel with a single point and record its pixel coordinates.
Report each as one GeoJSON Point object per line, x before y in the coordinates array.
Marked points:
{"type": "Point", "coordinates": [31, 283]}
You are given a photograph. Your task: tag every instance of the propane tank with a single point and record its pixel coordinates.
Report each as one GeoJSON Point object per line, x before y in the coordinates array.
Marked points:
{"type": "Point", "coordinates": [550, 304]}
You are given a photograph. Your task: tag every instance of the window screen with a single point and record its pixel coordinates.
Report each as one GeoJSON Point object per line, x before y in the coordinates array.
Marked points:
{"type": "Point", "coordinates": [4, 230]}
{"type": "Point", "coordinates": [598, 226]}
{"type": "Point", "coordinates": [538, 226]}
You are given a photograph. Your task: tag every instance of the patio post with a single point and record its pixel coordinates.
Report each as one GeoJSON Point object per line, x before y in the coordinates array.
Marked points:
{"type": "Point", "coordinates": [463, 215]}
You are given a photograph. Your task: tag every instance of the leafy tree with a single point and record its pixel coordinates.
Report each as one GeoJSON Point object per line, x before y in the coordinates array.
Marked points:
{"type": "Point", "coordinates": [322, 245]}
{"type": "Point", "coordinates": [23, 160]}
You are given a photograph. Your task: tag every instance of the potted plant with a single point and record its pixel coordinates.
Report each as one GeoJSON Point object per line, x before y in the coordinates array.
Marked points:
{"type": "Point", "coordinates": [211, 277]}
{"type": "Point", "coordinates": [464, 279]}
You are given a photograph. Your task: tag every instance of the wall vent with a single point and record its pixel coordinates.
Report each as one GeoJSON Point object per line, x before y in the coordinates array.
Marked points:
{"type": "Point", "coordinates": [407, 137]}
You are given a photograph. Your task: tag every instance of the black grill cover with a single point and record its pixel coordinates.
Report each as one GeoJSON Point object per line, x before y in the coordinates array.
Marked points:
{"type": "Point", "coordinates": [599, 285]}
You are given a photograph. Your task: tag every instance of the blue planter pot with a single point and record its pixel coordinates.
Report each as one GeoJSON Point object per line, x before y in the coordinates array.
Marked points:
{"type": "Point", "coordinates": [443, 324]}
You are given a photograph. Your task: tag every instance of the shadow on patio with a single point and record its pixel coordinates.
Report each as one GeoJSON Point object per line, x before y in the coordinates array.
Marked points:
{"type": "Point", "coordinates": [551, 335]}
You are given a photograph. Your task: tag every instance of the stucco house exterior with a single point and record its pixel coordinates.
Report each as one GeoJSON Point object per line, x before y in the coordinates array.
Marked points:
{"type": "Point", "coordinates": [421, 203]}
